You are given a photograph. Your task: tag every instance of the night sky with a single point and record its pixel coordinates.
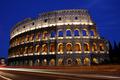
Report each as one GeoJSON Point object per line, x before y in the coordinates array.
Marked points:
{"type": "Point", "coordinates": [105, 13]}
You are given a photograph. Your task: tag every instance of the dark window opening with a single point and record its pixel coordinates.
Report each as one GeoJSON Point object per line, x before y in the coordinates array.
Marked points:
{"type": "Point", "coordinates": [45, 20]}
{"type": "Point", "coordinates": [76, 18]}
{"type": "Point", "coordinates": [60, 18]}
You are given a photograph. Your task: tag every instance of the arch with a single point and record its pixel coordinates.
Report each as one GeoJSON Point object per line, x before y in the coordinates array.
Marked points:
{"type": "Point", "coordinates": [29, 50]}
{"type": "Point", "coordinates": [60, 33]}
{"type": "Point", "coordinates": [52, 47]}
{"type": "Point", "coordinates": [69, 61]}
{"type": "Point", "coordinates": [27, 38]}
{"type": "Point", "coordinates": [76, 32]}
{"type": "Point", "coordinates": [30, 63]}
{"type": "Point", "coordinates": [94, 47]}
{"type": "Point", "coordinates": [52, 62]}
{"type": "Point", "coordinates": [37, 48]}
{"type": "Point", "coordinates": [60, 62]}
{"type": "Point", "coordinates": [31, 37]}
{"type": "Point", "coordinates": [53, 33]}
{"type": "Point", "coordinates": [86, 47]}
{"type": "Point", "coordinates": [95, 61]}
{"type": "Point", "coordinates": [26, 50]}
{"type": "Point", "coordinates": [84, 32]}
{"type": "Point", "coordinates": [44, 48]}
{"type": "Point", "coordinates": [77, 47]}
{"type": "Point", "coordinates": [21, 50]}
{"type": "Point", "coordinates": [101, 47]}
{"type": "Point", "coordinates": [44, 62]}
{"type": "Point", "coordinates": [68, 47]}
{"type": "Point", "coordinates": [86, 61]}
{"type": "Point", "coordinates": [78, 61]}
{"type": "Point", "coordinates": [32, 49]}
{"type": "Point", "coordinates": [92, 33]}
{"type": "Point", "coordinates": [68, 32]}
{"type": "Point", "coordinates": [60, 47]}
{"type": "Point", "coordinates": [37, 62]}
{"type": "Point", "coordinates": [23, 39]}
{"type": "Point", "coordinates": [45, 35]}
{"type": "Point", "coordinates": [38, 36]}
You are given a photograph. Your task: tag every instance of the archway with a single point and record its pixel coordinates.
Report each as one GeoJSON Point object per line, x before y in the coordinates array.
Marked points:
{"type": "Point", "coordinates": [94, 47]}
{"type": "Point", "coordinates": [78, 61]}
{"type": "Point", "coordinates": [76, 32]}
{"type": "Point", "coordinates": [68, 47]}
{"type": "Point", "coordinates": [45, 35]}
{"type": "Point", "coordinates": [44, 49]}
{"type": "Point", "coordinates": [86, 47]}
{"type": "Point", "coordinates": [77, 47]}
{"type": "Point", "coordinates": [60, 33]}
{"type": "Point", "coordinates": [68, 33]}
{"type": "Point", "coordinates": [52, 62]}
{"type": "Point", "coordinates": [86, 61]}
{"type": "Point", "coordinates": [52, 34]}
{"type": "Point", "coordinates": [92, 33]}
{"type": "Point", "coordinates": [52, 47]}
{"type": "Point", "coordinates": [95, 61]}
{"type": "Point", "coordinates": [69, 61]}
{"type": "Point", "coordinates": [60, 47]}
{"type": "Point", "coordinates": [44, 62]}
{"type": "Point", "coordinates": [38, 48]}
{"type": "Point", "coordinates": [101, 47]}
{"type": "Point", "coordinates": [60, 62]}
{"type": "Point", "coordinates": [84, 32]}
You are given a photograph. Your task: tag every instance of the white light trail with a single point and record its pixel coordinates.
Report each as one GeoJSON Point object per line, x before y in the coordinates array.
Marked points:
{"type": "Point", "coordinates": [64, 74]}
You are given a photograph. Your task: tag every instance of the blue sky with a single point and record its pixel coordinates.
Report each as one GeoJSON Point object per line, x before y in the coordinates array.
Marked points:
{"type": "Point", "coordinates": [105, 13]}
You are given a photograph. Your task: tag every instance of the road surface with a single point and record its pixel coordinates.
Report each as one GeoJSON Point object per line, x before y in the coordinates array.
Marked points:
{"type": "Point", "coordinates": [45, 74]}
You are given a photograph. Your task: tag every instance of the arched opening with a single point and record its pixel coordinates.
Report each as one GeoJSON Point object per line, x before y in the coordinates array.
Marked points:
{"type": "Point", "coordinates": [37, 49]}
{"type": "Point", "coordinates": [23, 39]}
{"type": "Point", "coordinates": [31, 37]}
{"type": "Point", "coordinates": [77, 47]}
{"type": "Point", "coordinates": [52, 47]}
{"type": "Point", "coordinates": [68, 32]}
{"type": "Point", "coordinates": [84, 32]}
{"type": "Point", "coordinates": [53, 34]}
{"type": "Point", "coordinates": [78, 61]}
{"type": "Point", "coordinates": [38, 36]}
{"type": "Point", "coordinates": [76, 32]}
{"type": "Point", "coordinates": [26, 50]}
{"type": "Point", "coordinates": [45, 35]}
{"type": "Point", "coordinates": [37, 62]}
{"type": "Point", "coordinates": [92, 33]}
{"type": "Point", "coordinates": [52, 62]}
{"type": "Point", "coordinates": [21, 50]}
{"type": "Point", "coordinates": [31, 49]}
{"type": "Point", "coordinates": [44, 62]}
{"type": "Point", "coordinates": [86, 47]}
{"type": "Point", "coordinates": [30, 63]}
{"type": "Point", "coordinates": [69, 61]}
{"type": "Point", "coordinates": [101, 47]}
{"type": "Point", "coordinates": [27, 38]}
{"type": "Point", "coordinates": [60, 33]}
{"type": "Point", "coordinates": [95, 61]}
{"type": "Point", "coordinates": [44, 49]}
{"type": "Point", "coordinates": [60, 47]}
{"type": "Point", "coordinates": [68, 47]}
{"type": "Point", "coordinates": [86, 61]}
{"type": "Point", "coordinates": [60, 62]}
{"type": "Point", "coordinates": [94, 47]}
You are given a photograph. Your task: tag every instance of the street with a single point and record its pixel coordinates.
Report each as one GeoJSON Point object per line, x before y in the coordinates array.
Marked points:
{"type": "Point", "coordinates": [46, 74]}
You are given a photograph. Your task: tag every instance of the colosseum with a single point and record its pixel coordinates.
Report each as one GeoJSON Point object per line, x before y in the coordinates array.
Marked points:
{"type": "Point", "coordinates": [57, 38]}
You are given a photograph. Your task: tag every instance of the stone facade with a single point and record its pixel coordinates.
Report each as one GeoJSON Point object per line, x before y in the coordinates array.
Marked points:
{"type": "Point", "coordinates": [58, 38]}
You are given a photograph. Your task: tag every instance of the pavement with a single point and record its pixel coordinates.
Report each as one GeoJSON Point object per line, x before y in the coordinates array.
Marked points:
{"type": "Point", "coordinates": [57, 74]}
